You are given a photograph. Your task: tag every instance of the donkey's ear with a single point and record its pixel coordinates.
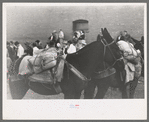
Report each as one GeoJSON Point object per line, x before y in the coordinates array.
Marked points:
{"type": "Point", "coordinates": [102, 30]}
{"type": "Point", "coordinates": [105, 30]}
{"type": "Point", "coordinates": [107, 35]}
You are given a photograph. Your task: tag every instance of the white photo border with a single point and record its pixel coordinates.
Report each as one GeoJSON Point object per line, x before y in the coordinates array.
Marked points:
{"type": "Point", "coordinates": [60, 109]}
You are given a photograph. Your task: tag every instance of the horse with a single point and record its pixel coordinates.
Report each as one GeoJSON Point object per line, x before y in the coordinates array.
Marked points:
{"type": "Point", "coordinates": [86, 61]}
{"type": "Point", "coordinates": [115, 80]}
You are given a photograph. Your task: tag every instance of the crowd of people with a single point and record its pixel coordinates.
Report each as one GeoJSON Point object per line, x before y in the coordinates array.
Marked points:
{"type": "Point", "coordinates": [57, 40]}
{"type": "Point", "coordinates": [14, 50]}
{"type": "Point", "coordinates": [133, 53]}
{"type": "Point", "coordinates": [67, 46]}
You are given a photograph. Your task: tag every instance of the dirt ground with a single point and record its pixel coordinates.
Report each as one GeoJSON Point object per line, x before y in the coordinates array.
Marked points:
{"type": "Point", "coordinates": [111, 93]}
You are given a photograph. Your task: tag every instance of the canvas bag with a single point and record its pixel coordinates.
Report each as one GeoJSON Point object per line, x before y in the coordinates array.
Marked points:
{"type": "Point", "coordinates": [129, 51]}
{"type": "Point", "coordinates": [25, 67]}
{"type": "Point", "coordinates": [44, 60]}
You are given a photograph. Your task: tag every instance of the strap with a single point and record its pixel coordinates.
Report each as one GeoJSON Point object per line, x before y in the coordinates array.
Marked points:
{"type": "Point", "coordinates": [75, 71]}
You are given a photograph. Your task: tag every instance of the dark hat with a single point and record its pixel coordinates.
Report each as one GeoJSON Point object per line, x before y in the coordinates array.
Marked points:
{"type": "Point", "coordinates": [16, 43]}
{"type": "Point", "coordinates": [51, 43]}
{"type": "Point", "coordinates": [34, 44]}
{"type": "Point", "coordinates": [11, 42]}
{"type": "Point", "coordinates": [37, 41]}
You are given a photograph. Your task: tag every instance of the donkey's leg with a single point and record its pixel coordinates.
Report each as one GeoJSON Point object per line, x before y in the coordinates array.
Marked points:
{"type": "Point", "coordinates": [133, 86]}
{"type": "Point", "coordinates": [123, 89]}
{"type": "Point", "coordinates": [123, 86]}
{"type": "Point", "coordinates": [77, 95]}
{"type": "Point", "coordinates": [69, 94]}
{"type": "Point", "coordinates": [89, 90]}
{"type": "Point", "coordinates": [68, 89]}
{"type": "Point", "coordinates": [103, 86]}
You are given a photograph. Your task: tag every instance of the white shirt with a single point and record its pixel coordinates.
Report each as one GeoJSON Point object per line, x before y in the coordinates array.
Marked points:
{"type": "Point", "coordinates": [20, 51]}
{"type": "Point", "coordinates": [71, 49]}
{"type": "Point", "coordinates": [61, 34]}
{"type": "Point", "coordinates": [35, 51]}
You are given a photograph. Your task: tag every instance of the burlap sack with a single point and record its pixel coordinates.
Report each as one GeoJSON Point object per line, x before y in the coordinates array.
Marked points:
{"type": "Point", "coordinates": [43, 77]}
{"type": "Point", "coordinates": [25, 67]}
{"type": "Point", "coordinates": [45, 60]}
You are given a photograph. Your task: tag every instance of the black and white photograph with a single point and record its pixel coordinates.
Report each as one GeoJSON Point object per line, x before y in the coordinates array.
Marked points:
{"type": "Point", "coordinates": [64, 59]}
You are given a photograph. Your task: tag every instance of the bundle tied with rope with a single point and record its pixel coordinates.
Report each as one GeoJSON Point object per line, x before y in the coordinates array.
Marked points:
{"type": "Point", "coordinates": [129, 52]}
{"type": "Point", "coordinates": [46, 59]}
{"type": "Point", "coordinates": [131, 55]}
{"type": "Point", "coordinates": [43, 65]}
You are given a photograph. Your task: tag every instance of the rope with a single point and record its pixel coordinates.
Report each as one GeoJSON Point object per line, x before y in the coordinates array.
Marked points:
{"type": "Point", "coordinates": [46, 86]}
{"type": "Point", "coordinates": [75, 71]}
{"type": "Point", "coordinates": [107, 45]}
{"type": "Point", "coordinates": [136, 51]}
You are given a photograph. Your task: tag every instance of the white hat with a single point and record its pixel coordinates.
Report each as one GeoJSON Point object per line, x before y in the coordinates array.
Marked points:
{"type": "Point", "coordinates": [58, 45]}
{"type": "Point", "coordinates": [138, 51]}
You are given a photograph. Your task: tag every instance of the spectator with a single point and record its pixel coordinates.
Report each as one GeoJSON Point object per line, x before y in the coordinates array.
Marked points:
{"type": "Point", "coordinates": [55, 37]}
{"type": "Point", "coordinates": [81, 44]}
{"type": "Point", "coordinates": [29, 49]}
{"type": "Point", "coordinates": [127, 37]}
{"type": "Point", "coordinates": [51, 44]}
{"type": "Point", "coordinates": [120, 37]}
{"type": "Point", "coordinates": [61, 37]}
{"type": "Point", "coordinates": [38, 44]}
{"type": "Point", "coordinates": [65, 46]}
{"type": "Point", "coordinates": [35, 49]}
{"type": "Point", "coordinates": [20, 50]}
{"type": "Point", "coordinates": [11, 51]}
{"type": "Point", "coordinates": [72, 48]}
{"type": "Point", "coordinates": [82, 35]}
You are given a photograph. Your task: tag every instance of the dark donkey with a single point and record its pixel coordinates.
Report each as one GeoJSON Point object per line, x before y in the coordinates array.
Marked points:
{"type": "Point", "coordinates": [115, 80]}
{"type": "Point", "coordinates": [86, 61]}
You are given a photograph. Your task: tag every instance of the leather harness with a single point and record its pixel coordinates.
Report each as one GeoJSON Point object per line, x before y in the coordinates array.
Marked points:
{"type": "Point", "coordinates": [83, 77]}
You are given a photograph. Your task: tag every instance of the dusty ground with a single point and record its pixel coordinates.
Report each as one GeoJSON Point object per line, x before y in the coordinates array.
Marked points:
{"type": "Point", "coordinates": [111, 93]}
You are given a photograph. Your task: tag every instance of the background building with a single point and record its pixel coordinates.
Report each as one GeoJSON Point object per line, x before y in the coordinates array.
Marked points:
{"type": "Point", "coordinates": [29, 23]}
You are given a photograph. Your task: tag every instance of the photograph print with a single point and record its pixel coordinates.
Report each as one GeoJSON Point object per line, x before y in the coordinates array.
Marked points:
{"type": "Point", "coordinates": [75, 52]}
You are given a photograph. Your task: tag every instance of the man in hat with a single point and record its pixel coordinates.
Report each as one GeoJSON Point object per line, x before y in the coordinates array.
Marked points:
{"type": "Point", "coordinates": [61, 37]}
{"type": "Point", "coordinates": [20, 51]}
{"type": "Point", "coordinates": [38, 44]}
{"type": "Point", "coordinates": [65, 46]}
{"type": "Point", "coordinates": [55, 37]}
{"type": "Point", "coordinates": [11, 51]}
{"type": "Point", "coordinates": [82, 35]}
{"type": "Point", "coordinates": [127, 37]}
{"type": "Point", "coordinates": [72, 47]}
